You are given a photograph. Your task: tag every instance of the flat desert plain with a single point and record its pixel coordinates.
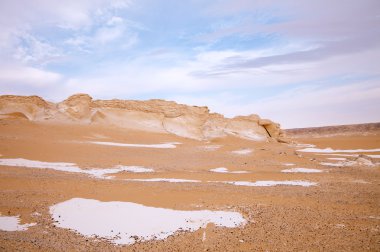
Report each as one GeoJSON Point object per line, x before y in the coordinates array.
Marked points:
{"type": "Point", "coordinates": [72, 187]}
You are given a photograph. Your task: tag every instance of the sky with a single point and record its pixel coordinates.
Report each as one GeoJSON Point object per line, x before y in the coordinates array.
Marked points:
{"type": "Point", "coordinates": [299, 63]}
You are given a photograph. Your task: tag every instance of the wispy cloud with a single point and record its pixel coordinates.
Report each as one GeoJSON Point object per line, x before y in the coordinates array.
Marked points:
{"type": "Point", "coordinates": [32, 50]}
{"type": "Point", "coordinates": [115, 33]}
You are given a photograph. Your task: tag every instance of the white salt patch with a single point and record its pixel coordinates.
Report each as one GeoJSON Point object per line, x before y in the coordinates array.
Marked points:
{"type": "Point", "coordinates": [339, 159]}
{"type": "Point", "coordinates": [221, 170]}
{"type": "Point", "coordinates": [272, 183]}
{"type": "Point", "coordinates": [301, 170]}
{"type": "Point", "coordinates": [175, 143]}
{"type": "Point", "coordinates": [339, 155]}
{"type": "Point", "coordinates": [126, 222]}
{"type": "Point", "coordinates": [225, 170]}
{"type": "Point", "coordinates": [170, 180]}
{"type": "Point", "coordinates": [238, 172]}
{"type": "Point", "coordinates": [58, 166]}
{"type": "Point", "coordinates": [374, 156]}
{"type": "Point", "coordinates": [210, 147]}
{"type": "Point", "coordinates": [242, 151]}
{"type": "Point", "coordinates": [332, 164]}
{"type": "Point", "coordinates": [135, 169]}
{"type": "Point", "coordinates": [289, 164]}
{"type": "Point", "coordinates": [346, 163]}
{"type": "Point", "coordinates": [12, 223]}
{"type": "Point", "coordinates": [374, 217]}
{"type": "Point", "coordinates": [71, 167]}
{"type": "Point", "coordinates": [300, 145]}
{"type": "Point", "coordinates": [360, 181]}
{"type": "Point", "coordinates": [358, 162]}
{"type": "Point", "coordinates": [156, 146]}
{"type": "Point", "coordinates": [330, 150]}
{"type": "Point", "coordinates": [99, 136]}
{"type": "Point", "coordinates": [204, 236]}
{"type": "Point", "coordinates": [100, 173]}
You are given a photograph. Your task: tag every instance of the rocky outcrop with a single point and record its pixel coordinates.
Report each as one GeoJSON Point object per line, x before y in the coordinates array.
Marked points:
{"type": "Point", "coordinates": [274, 130]}
{"type": "Point", "coordinates": [77, 107]}
{"type": "Point", "coordinates": [31, 107]}
{"type": "Point", "coordinates": [152, 115]}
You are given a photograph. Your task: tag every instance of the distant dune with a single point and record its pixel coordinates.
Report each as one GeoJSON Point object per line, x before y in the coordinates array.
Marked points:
{"type": "Point", "coordinates": [352, 129]}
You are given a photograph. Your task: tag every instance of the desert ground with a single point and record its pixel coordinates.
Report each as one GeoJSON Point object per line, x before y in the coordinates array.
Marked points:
{"type": "Point", "coordinates": [333, 207]}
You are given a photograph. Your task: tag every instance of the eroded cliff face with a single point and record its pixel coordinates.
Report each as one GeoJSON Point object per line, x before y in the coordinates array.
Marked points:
{"type": "Point", "coordinates": [152, 115]}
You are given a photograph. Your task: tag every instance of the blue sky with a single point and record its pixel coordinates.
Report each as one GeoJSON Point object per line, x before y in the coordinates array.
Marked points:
{"type": "Point", "coordinates": [301, 63]}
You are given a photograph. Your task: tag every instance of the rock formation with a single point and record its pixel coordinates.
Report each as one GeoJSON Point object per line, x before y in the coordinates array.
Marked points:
{"type": "Point", "coordinates": [152, 115]}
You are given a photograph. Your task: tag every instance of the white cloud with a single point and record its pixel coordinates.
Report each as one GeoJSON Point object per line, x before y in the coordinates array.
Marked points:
{"type": "Point", "coordinates": [356, 103]}
{"type": "Point", "coordinates": [20, 19]}
{"type": "Point", "coordinates": [27, 76]}
{"type": "Point", "coordinates": [23, 52]}
{"type": "Point", "coordinates": [72, 14]}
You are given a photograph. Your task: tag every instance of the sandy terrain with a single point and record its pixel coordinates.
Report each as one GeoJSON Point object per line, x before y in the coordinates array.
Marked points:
{"type": "Point", "coordinates": [340, 213]}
